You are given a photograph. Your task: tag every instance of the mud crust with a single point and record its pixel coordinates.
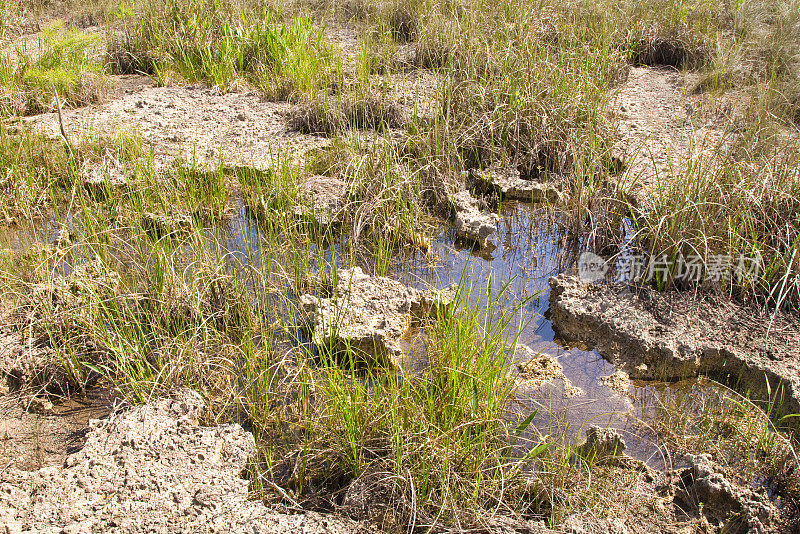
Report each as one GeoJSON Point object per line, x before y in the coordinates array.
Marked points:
{"type": "Point", "coordinates": [196, 124]}
{"type": "Point", "coordinates": [673, 335]}
{"type": "Point", "coordinates": [151, 469]}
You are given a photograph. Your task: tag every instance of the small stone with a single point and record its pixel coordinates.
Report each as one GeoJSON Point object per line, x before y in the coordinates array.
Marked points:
{"type": "Point", "coordinates": [535, 369]}
{"type": "Point", "coordinates": [40, 405]}
{"type": "Point", "coordinates": [507, 182]}
{"type": "Point", "coordinates": [619, 381]}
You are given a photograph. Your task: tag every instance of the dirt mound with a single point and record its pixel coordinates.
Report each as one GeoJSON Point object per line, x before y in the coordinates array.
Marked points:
{"type": "Point", "coordinates": [151, 468]}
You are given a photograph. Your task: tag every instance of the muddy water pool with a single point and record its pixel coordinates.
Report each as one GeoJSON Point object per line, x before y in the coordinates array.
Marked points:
{"type": "Point", "coordinates": [531, 247]}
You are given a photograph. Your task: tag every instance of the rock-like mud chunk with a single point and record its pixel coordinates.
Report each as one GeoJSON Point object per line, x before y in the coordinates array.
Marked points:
{"type": "Point", "coordinates": [369, 315]}
{"type": "Point", "coordinates": [534, 369]}
{"type": "Point", "coordinates": [704, 485]}
{"type": "Point", "coordinates": [100, 180]}
{"type": "Point", "coordinates": [618, 381]}
{"type": "Point", "coordinates": [150, 469]}
{"type": "Point", "coordinates": [472, 225]}
{"type": "Point", "coordinates": [506, 181]}
{"type": "Point", "coordinates": [325, 199]}
{"type": "Point", "coordinates": [602, 443]}
{"type": "Point", "coordinates": [672, 335]}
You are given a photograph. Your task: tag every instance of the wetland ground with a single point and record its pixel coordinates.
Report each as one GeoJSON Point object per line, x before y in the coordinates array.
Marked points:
{"type": "Point", "coordinates": [321, 266]}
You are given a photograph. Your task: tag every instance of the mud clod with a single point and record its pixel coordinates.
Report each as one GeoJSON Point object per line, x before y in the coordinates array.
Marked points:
{"type": "Point", "coordinates": [40, 405]}
{"type": "Point", "coordinates": [326, 199]}
{"type": "Point", "coordinates": [472, 225]}
{"type": "Point", "coordinates": [159, 225]}
{"type": "Point", "coordinates": [368, 314]}
{"type": "Point", "coordinates": [534, 369]}
{"type": "Point", "coordinates": [100, 180]}
{"type": "Point", "coordinates": [704, 486]}
{"type": "Point", "coordinates": [602, 444]}
{"type": "Point", "coordinates": [619, 381]}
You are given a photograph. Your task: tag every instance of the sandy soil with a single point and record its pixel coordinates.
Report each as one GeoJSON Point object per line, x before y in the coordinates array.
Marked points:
{"type": "Point", "coordinates": [662, 125]}
{"type": "Point", "coordinates": [192, 123]}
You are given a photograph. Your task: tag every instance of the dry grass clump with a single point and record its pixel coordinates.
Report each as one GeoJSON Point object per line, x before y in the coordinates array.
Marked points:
{"type": "Point", "coordinates": [338, 115]}
{"type": "Point", "coordinates": [127, 56]}
{"type": "Point", "coordinates": [21, 17]}
{"type": "Point", "coordinates": [516, 99]}
{"type": "Point", "coordinates": [402, 19]}
{"type": "Point", "coordinates": [12, 19]}
{"type": "Point", "coordinates": [670, 34]}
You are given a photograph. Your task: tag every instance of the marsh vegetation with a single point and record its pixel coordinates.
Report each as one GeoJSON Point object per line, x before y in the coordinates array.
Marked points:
{"type": "Point", "coordinates": [145, 264]}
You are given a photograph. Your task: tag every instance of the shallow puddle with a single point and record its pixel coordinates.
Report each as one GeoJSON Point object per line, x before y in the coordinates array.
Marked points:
{"type": "Point", "coordinates": [531, 247]}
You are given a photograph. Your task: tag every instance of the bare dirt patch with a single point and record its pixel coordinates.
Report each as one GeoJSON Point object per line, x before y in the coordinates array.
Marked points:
{"type": "Point", "coordinates": [192, 123]}
{"type": "Point", "coordinates": [35, 433]}
{"type": "Point", "coordinates": [660, 128]}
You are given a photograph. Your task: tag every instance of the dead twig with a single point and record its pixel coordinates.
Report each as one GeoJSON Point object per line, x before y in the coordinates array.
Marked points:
{"type": "Point", "coordinates": [61, 122]}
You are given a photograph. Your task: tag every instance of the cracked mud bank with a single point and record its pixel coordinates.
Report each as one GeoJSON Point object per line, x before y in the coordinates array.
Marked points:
{"type": "Point", "coordinates": [671, 335]}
